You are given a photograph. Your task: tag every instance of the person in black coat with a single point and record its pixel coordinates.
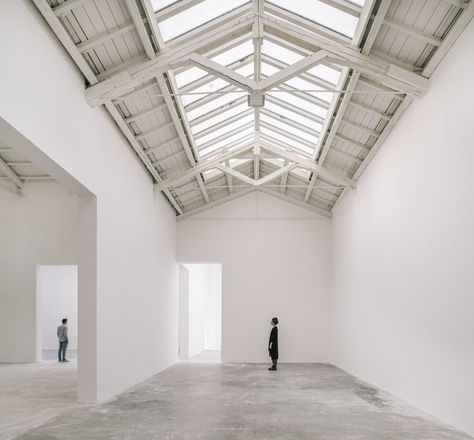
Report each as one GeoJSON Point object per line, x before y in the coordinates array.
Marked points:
{"type": "Point", "coordinates": [273, 344]}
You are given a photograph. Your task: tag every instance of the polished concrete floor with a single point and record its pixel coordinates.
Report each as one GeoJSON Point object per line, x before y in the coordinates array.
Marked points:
{"type": "Point", "coordinates": [221, 401]}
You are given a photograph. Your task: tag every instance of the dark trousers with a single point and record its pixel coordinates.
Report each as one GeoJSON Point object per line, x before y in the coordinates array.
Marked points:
{"type": "Point", "coordinates": [274, 363]}
{"type": "Point", "coordinates": [62, 350]}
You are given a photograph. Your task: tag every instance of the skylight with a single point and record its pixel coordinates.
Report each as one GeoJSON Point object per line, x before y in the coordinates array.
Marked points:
{"type": "Point", "coordinates": [195, 16]}
{"type": "Point", "coordinates": [321, 13]}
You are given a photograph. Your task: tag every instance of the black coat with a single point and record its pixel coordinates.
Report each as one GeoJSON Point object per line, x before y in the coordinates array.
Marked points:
{"type": "Point", "coordinates": [274, 340]}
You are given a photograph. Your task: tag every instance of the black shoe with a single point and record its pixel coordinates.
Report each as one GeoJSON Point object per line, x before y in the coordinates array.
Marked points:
{"type": "Point", "coordinates": [65, 360]}
{"type": "Point", "coordinates": [272, 369]}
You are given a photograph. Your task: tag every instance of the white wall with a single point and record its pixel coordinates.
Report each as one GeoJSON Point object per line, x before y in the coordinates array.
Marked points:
{"type": "Point", "coordinates": [39, 227]}
{"type": "Point", "coordinates": [214, 307]}
{"type": "Point", "coordinates": [404, 249]}
{"type": "Point", "coordinates": [275, 262]}
{"type": "Point", "coordinates": [57, 292]}
{"type": "Point", "coordinates": [129, 299]}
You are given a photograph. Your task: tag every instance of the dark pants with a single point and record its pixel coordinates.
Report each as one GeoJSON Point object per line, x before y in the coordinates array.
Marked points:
{"type": "Point", "coordinates": [62, 350]}
{"type": "Point", "coordinates": [274, 363]}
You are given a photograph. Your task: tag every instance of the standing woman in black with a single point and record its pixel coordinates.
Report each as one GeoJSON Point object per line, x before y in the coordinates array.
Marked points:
{"type": "Point", "coordinates": [273, 344]}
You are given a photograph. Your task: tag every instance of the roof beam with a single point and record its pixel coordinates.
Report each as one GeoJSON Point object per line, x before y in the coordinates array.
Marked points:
{"type": "Point", "coordinates": [284, 179]}
{"type": "Point", "coordinates": [410, 30]}
{"type": "Point", "coordinates": [180, 130]}
{"type": "Point", "coordinates": [210, 77]}
{"type": "Point", "coordinates": [215, 203]}
{"type": "Point", "coordinates": [202, 166]}
{"type": "Point", "coordinates": [123, 82]}
{"type": "Point", "coordinates": [292, 70]}
{"type": "Point", "coordinates": [222, 72]}
{"type": "Point", "coordinates": [230, 186]}
{"type": "Point", "coordinates": [345, 6]}
{"type": "Point", "coordinates": [257, 182]}
{"type": "Point", "coordinates": [68, 6]}
{"type": "Point", "coordinates": [453, 34]}
{"type": "Point", "coordinates": [142, 32]}
{"type": "Point", "coordinates": [104, 37]}
{"type": "Point", "coordinates": [175, 8]}
{"type": "Point", "coordinates": [295, 202]}
{"type": "Point", "coordinates": [138, 149]}
{"type": "Point", "coordinates": [393, 76]}
{"type": "Point", "coordinates": [311, 165]}
{"type": "Point", "coordinates": [144, 113]}
{"type": "Point", "coordinates": [151, 19]}
{"type": "Point", "coordinates": [10, 174]}
{"type": "Point", "coordinates": [64, 37]}
{"type": "Point", "coordinates": [287, 134]}
{"type": "Point", "coordinates": [304, 75]}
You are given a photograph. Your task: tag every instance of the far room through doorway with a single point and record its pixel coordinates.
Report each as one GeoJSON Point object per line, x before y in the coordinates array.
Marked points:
{"type": "Point", "coordinates": [200, 312]}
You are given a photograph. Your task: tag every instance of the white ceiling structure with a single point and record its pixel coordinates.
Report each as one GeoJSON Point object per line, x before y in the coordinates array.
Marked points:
{"type": "Point", "coordinates": [15, 170]}
{"type": "Point", "coordinates": [222, 97]}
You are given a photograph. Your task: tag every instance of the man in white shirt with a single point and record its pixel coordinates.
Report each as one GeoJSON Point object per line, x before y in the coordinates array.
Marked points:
{"type": "Point", "coordinates": [63, 341]}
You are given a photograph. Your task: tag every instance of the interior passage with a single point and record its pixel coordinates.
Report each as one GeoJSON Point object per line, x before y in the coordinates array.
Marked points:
{"type": "Point", "coordinates": [245, 401]}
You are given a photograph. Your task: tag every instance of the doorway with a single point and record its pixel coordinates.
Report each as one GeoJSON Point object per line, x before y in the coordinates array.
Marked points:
{"type": "Point", "coordinates": [200, 312]}
{"type": "Point", "coordinates": [57, 287]}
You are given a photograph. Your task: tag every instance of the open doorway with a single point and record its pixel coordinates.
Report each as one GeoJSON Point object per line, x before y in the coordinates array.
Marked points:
{"type": "Point", "coordinates": [57, 287]}
{"type": "Point", "coordinates": [200, 313]}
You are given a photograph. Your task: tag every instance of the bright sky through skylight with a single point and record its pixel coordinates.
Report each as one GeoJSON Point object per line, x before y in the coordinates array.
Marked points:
{"type": "Point", "coordinates": [196, 16]}
{"type": "Point", "coordinates": [321, 13]}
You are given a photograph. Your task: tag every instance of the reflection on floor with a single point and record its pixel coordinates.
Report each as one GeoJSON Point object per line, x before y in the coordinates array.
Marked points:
{"type": "Point", "coordinates": [205, 357]}
{"type": "Point", "coordinates": [31, 394]}
{"type": "Point", "coordinates": [243, 401]}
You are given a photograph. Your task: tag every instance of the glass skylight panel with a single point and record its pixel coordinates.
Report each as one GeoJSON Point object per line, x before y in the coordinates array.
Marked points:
{"type": "Point", "coordinates": [237, 162]}
{"type": "Point", "coordinates": [161, 4]}
{"type": "Point", "coordinates": [324, 72]}
{"type": "Point", "coordinates": [196, 16]}
{"type": "Point", "coordinates": [226, 129]}
{"type": "Point", "coordinates": [268, 70]}
{"type": "Point", "coordinates": [321, 13]}
{"type": "Point", "coordinates": [297, 101]}
{"type": "Point", "coordinates": [189, 75]}
{"type": "Point", "coordinates": [218, 101]}
{"type": "Point", "coordinates": [210, 87]}
{"type": "Point", "coordinates": [220, 144]}
{"type": "Point", "coordinates": [293, 130]}
{"type": "Point", "coordinates": [220, 117]}
{"type": "Point", "coordinates": [291, 115]}
{"type": "Point", "coordinates": [301, 84]}
{"type": "Point", "coordinates": [279, 52]}
{"type": "Point", "coordinates": [234, 54]}
{"type": "Point", "coordinates": [288, 141]}
{"type": "Point", "coordinates": [209, 174]}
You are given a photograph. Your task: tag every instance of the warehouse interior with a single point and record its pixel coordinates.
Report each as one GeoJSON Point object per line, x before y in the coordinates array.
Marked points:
{"type": "Point", "coordinates": [176, 173]}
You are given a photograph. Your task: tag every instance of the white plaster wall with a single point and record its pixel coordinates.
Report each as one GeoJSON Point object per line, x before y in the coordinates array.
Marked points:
{"type": "Point", "coordinates": [57, 292]}
{"type": "Point", "coordinates": [275, 262]}
{"type": "Point", "coordinates": [403, 309]}
{"type": "Point", "coordinates": [198, 291]}
{"type": "Point", "coordinates": [136, 307]}
{"type": "Point", "coordinates": [39, 227]}
{"type": "Point", "coordinates": [214, 307]}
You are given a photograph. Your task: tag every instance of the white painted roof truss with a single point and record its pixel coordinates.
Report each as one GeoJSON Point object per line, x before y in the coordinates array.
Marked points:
{"type": "Point", "coordinates": [181, 98]}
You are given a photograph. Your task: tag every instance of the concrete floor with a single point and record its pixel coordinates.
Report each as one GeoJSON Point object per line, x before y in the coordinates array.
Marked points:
{"type": "Point", "coordinates": [222, 401]}
{"type": "Point", "coordinates": [205, 357]}
{"type": "Point", "coordinates": [31, 394]}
